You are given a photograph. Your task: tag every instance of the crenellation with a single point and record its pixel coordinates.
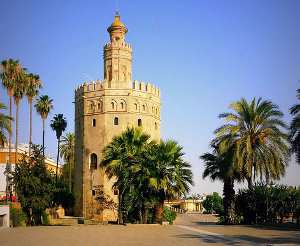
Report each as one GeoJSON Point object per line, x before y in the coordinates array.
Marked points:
{"type": "Point", "coordinates": [142, 86]}
{"type": "Point", "coordinates": [135, 84]}
{"type": "Point", "coordinates": [118, 45]}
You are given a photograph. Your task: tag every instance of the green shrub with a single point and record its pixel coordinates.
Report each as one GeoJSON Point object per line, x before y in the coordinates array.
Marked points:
{"type": "Point", "coordinates": [45, 218]}
{"type": "Point", "coordinates": [221, 220]}
{"type": "Point", "coordinates": [169, 215]}
{"type": "Point", "coordinates": [17, 217]}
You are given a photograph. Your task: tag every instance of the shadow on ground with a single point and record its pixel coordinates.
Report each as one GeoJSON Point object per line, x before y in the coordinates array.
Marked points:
{"type": "Point", "coordinates": [240, 239]}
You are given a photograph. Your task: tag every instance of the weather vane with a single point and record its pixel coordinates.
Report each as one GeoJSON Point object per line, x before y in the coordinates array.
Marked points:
{"type": "Point", "coordinates": [117, 7]}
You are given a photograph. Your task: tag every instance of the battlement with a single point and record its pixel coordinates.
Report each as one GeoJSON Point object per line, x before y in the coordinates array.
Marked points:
{"type": "Point", "coordinates": [89, 86]}
{"type": "Point", "coordinates": [123, 45]}
{"type": "Point", "coordinates": [97, 85]}
{"type": "Point", "coordinates": [146, 87]}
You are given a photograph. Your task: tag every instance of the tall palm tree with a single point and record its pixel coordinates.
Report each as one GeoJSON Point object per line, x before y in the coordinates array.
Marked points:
{"type": "Point", "coordinates": [59, 125]}
{"type": "Point", "coordinates": [67, 151]}
{"type": "Point", "coordinates": [171, 176]}
{"type": "Point", "coordinates": [10, 72]}
{"type": "Point", "coordinates": [220, 166]}
{"type": "Point", "coordinates": [32, 89]}
{"type": "Point", "coordinates": [19, 90]}
{"type": "Point", "coordinates": [256, 132]}
{"type": "Point", "coordinates": [122, 158]}
{"type": "Point", "coordinates": [4, 125]}
{"type": "Point", "coordinates": [295, 129]}
{"type": "Point", "coordinates": [43, 107]}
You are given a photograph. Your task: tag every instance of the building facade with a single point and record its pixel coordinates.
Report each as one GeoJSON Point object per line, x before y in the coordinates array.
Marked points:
{"type": "Point", "coordinates": [104, 109]}
{"type": "Point", "coordinates": [23, 149]}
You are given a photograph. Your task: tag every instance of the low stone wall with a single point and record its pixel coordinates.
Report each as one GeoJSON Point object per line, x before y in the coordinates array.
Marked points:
{"type": "Point", "coordinates": [4, 215]}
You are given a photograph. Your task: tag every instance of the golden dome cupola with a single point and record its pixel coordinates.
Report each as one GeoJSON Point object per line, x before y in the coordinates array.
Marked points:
{"type": "Point", "coordinates": [117, 30]}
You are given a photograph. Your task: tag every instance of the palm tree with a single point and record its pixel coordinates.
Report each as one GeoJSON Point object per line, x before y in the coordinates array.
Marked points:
{"type": "Point", "coordinates": [59, 125]}
{"type": "Point", "coordinates": [295, 129]}
{"type": "Point", "coordinates": [10, 71]}
{"type": "Point", "coordinates": [220, 166]}
{"type": "Point", "coordinates": [256, 132]}
{"type": "Point", "coordinates": [170, 174]}
{"type": "Point", "coordinates": [4, 125]}
{"type": "Point", "coordinates": [33, 85]}
{"type": "Point", "coordinates": [67, 149]}
{"type": "Point", "coordinates": [43, 107]}
{"type": "Point", "coordinates": [122, 158]}
{"type": "Point", "coordinates": [19, 90]}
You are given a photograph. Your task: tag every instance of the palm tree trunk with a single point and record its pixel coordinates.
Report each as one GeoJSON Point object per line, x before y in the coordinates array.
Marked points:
{"type": "Point", "coordinates": [17, 132]}
{"type": "Point", "coordinates": [120, 215]}
{"type": "Point", "coordinates": [70, 177]}
{"type": "Point", "coordinates": [140, 215]}
{"type": "Point", "coordinates": [145, 215]}
{"type": "Point", "coordinates": [159, 212]}
{"type": "Point", "coordinates": [250, 183]}
{"type": "Point", "coordinates": [30, 125]}
{"type": "Point", "coordinates": [57, 159]}
{"type": "Point", "coordinates": [10, 139]}
{"type": "Point", "coordinates": [228, 201]}
{"type": "Point", "coordinates": [44, 138]}
{"type": "Point", "coordinates": [10, 134]}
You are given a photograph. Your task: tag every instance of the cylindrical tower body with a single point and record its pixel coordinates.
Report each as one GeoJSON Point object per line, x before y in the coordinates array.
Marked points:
{"type": "Point", "coordinates": [104, 109]}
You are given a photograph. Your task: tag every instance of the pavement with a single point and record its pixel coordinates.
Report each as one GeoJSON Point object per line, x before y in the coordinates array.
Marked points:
{"type": "Point", "coordinates": [189, 229]}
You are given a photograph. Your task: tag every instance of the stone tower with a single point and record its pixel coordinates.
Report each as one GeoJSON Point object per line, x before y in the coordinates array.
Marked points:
{"type": "Point", "coordinates": [104, 109]}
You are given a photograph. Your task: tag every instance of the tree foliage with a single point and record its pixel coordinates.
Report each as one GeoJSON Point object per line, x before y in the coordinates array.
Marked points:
{"type": "Point", "coordinates": [4, 125]}
{"type": "Point", "coordinates": [214, 204]}
{"type": "Point", "coordinates": [147, 173]}
{"type": "Point", "coordinates": [220, 166]}
{"type": "Point", "coordinates": [36, 188]}
{"type": "Point", "coordinates": [67, 152]}
{"type": "Point", "coordinates": [295, 128]}
{"type": "Point", "coordinates": [255, 131]}
{"type": "Point", "coordinates": [268, 204]}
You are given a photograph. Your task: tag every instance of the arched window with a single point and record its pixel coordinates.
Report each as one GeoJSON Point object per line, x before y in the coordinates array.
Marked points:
{"type": "Point", "coordinates": [122, 105]}
{"type": "Point", "coordinates": [116, 192]}
{"type": "Point", "coordinates": [93, 161]}
{"type": "Point", "coordinates": [139, 122]}
{"type": "Point", "coordinates": [112, 105]}
{"type": "Point", "coordinates": [94, 122]}
{"type": "Point", "coordinates": [135, 106]}
{"type": "Point", "coordinates": [155, 126]}
{"type": "Point", "coordinates": [144, 107]}
{"type": "Point", "coordinates": [116, 121]}
{"type": "Point", "coordinates": [99, 105]}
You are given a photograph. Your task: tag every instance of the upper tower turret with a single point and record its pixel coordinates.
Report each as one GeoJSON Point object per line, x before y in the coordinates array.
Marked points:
{"type": "Point", "coordinates": [117, 30]}
{"type": "Point", "coordinates": [117, 56]}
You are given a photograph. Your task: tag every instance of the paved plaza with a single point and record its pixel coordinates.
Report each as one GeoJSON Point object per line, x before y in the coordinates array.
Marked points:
{"type": "Point", "coordinates": [188, 230]}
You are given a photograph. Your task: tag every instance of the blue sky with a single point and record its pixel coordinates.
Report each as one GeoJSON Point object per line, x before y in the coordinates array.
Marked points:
{"type": "Point", "coordinates": [202, 54]}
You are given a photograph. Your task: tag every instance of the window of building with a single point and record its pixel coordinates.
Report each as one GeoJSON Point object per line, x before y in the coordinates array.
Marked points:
{"type": "Point", "coordinates": [155, 126]}
{"type": "Point", "coordinates": [139, 122]}
{"type": "Point", "coordinates": [94, 123]}
{"type": "Point", "coordinates": [93, 161]}
{"type": "Point", "coordinates": [93, 192]}
{"type": "Point", "coordinates": [136, 106]}
{"type": "Point", "coordinates": [122, 105]}
{"type": "Point", "coordinates": [144, 107]}
{"type": "Point", "coordinates": [99, 106]}
{"type": "Point", "coordinates": [112, 105]}
{"type": "Point", "coordinates": [116, 121]}
{"type": "Point", "coordinates": [116, 192]}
